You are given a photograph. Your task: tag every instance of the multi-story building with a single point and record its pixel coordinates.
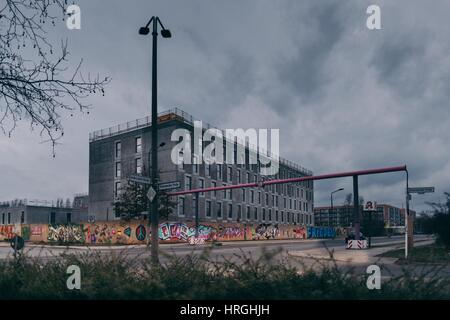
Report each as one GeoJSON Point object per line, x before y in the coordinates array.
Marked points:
{"type": "Point", "coordinates": [343, 216]}
{"type": "Point", "coordinates": [122, 151]}
{"type": "Point", "coordinates": [33, 211]}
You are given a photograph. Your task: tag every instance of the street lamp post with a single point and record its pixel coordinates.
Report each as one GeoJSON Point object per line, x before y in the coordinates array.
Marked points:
{"type": "Point", "coordinates": [331, 204]}
{"type": "Point", "coordinates": [153, 206]}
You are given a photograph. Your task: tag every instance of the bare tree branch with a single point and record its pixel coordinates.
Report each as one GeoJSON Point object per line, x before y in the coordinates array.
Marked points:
{"type": "Point", "coordinates": [34, 82]}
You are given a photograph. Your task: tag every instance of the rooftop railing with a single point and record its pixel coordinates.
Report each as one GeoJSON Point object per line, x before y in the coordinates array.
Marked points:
{"type": "Point", "coordinates": [180, 115]}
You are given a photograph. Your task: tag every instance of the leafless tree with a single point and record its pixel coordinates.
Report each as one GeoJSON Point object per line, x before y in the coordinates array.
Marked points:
{"type": "Point", "coordinates": [37, 84]}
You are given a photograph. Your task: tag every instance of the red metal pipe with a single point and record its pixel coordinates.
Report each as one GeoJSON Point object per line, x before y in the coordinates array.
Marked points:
{"type": "Point", "coordinates": [292, 180]}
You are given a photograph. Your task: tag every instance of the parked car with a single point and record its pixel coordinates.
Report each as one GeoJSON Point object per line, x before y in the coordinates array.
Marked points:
{"type": "Point", "coordinates": [351, 236]}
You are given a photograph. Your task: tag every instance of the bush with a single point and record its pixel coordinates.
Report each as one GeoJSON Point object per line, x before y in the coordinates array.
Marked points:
{"type": "Point", "coordinates": [117, 276]}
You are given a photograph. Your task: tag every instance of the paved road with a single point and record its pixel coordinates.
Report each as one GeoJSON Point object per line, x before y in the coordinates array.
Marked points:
{"type": "Point", "coordinates": [226, 251]}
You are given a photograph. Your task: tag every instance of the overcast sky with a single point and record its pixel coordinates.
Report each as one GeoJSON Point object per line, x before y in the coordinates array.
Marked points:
{"type": "Point", "coordinates": [344, 97]}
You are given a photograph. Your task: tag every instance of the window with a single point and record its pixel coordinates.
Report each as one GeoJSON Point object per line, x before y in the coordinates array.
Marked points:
{"type": "Point", "coordinates": [219, 172]}
{"type": "Point", "coordinates": [117, 186]}
{"type": "Point", "coordinates": [9, 217]}
{"type": "Point", "coordinates": [69, 217]}
{"type": "Point", "coordinates": [239, 213]}
{"type": "Point", "coordinates": [181, 206]}
{"type": "Point", "coordinates": [229, 174]}
{"type": "Point", "coordinates": [118, 149]}
{"type": "Point", "coordinates": [201, 185]}
{"type": "Point", "coordinates": [248, 177]}
{"type": "Point", "coordinates": [22, 217]}
{"type": "Point", "coordinates": [195, 165]}
{"type": "Point", "coordinates": [214, 184]}
{"type": "Point", "coordinates": [267, 199]}
{"type": "Point", "coordinates": [138, 145]}
{"type": "Point", "coordinates": [252, 196]}
{"type": "Point", "coordinates": [230, 211]}
{"type": "Point", "coordinates": [239, 176]}
{"type": "Point", "coordinates": [259, 197]}
{"type": "Point", "coordinates": [256, 214]}
{"type": "Point", "coordinates": [118, 170]}
{"type": "Point", "coordinates": [52, 217]}
{"type": "Point", "coordinates": [270, 215]}
{"type": "Point", "coordinates": [208, 208]}
{"type": "Point", "coordinates": [230, 194]}
{"type": "Point", "coordinates": [276, 215]}
{"type": "Point", "coordinates": [3, 218]}
{"type": "Point", "coordinates": [138, 164]}
{"type": "Point", "coordinates": [207, 170]}
{"type": "Point", "coordinates": [187, 182]}
{"type": "Point", "coordinates": [244, 193]}
{"type": "Point", "coordinates": [264, 215]}
{"type": "Point", "coordinates": [194, 203]}
{"type": "Point", "coordinates": [219, 209]}
{"type": "Point", "coordinates": [248, 212]}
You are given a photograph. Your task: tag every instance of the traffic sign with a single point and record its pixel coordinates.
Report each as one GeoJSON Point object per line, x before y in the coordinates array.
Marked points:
{"type": "Point", "coordinates": [140, 179]}
{"type": "Point", "coordinates": [421, 190]}
{"type": "Point", "coordinates": [169, 185]}
{"type": "Point", "coordinates": [151, 194]}
{"type": "Point", "coordinates": [370, 206]}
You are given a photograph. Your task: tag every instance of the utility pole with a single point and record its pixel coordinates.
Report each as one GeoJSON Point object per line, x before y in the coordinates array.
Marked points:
{"type": "Point", "coordinates": [153, 205]}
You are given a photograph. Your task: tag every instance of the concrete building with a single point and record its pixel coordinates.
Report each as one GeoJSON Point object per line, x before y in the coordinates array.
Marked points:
{"type": "Point", "coordinates": [32, 211]}
{"type": "Point", "coordinates": [117, 153]}
{"type": "Point", "coordinates": [343, 216]}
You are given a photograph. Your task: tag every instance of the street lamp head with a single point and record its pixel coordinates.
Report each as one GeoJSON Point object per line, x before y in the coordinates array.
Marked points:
{"type": "Point", "coordinates": [144, 31]}
{"type": "Point", "coordinates": [166, 33]}
{"type": "Point", "coordinates": [341, 189]}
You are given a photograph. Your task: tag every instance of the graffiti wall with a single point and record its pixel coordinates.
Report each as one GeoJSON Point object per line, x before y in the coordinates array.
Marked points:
{"type": "Point", "coordinates": [321, 232]}
{"type": "Point", "coordinates": [138, 232]}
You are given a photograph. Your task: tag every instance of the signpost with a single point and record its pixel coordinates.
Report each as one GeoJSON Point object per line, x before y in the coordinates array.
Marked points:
{"type": "Point", "coordinates": [370, 206]}
{"type": "Point", "coordinates": [421, 190]}
{"type": "Point", "coordinates": [163, 186]}
{"type": "Point", "coordinates": [140, 179]}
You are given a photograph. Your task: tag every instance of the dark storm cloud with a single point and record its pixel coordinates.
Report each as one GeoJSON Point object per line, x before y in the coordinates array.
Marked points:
{"type": "Point", "coordinates": [344, 97]}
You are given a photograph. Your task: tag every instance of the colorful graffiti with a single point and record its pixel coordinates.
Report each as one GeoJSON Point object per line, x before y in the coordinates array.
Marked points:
{"type": "Point", "coordinates": [26, 232]}
{"type": "Point", "coordinates": [36, 230]}
{"type": "Point", "coordinates": [141, 232]}
{"type": "Point", "coordinates": [266, 231]}
{"type": "Point", "coordinates": [229, 233]}
{"type": "Point", "coordinates": [66, 233]}
{"type": "Point", "coordinates": [321, 232]}
{"type": "Point", "coordinates": [7, 232]}
{"type": "Point", "coordinates": [182, 232]}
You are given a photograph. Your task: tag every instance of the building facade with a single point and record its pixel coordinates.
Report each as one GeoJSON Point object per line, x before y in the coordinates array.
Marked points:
{"type": "Point", "coordinates": [117, 153]}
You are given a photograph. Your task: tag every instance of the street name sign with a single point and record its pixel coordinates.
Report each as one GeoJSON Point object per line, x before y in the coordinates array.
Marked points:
{"type": "Point", "coordinates": [421, 190]}
{"type": "Point", "coordinates": [169, 185]}
{"type": "Point", "coordinates": [140, 179]}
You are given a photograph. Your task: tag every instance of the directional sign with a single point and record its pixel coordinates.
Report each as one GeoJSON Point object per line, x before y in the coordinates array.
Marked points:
{"type": "Point", "coordinates": [169, 185]}
{"type": "Point", "coordinates": [151, 194]}
{"type": "Point", "coordinates": [140, 179]}
{"type": "Point", "coordinates": [421, 190]}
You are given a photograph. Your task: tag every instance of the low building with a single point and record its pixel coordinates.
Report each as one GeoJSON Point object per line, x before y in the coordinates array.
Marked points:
{"type": "Point", "coordinates": [343, 216]}
{"type": "Point", "coordinates": [35, 212]}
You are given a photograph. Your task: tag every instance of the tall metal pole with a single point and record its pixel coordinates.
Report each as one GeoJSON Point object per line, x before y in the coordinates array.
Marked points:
{"type": "Point", "coordinates": [331, 209]}
{"type": "Point", "coordinates": [154, 156]}
{"type": "Point", "coordinates": [407, 217]}
{"type": "Point", "coordinates": [356, 205]}
{"type": "Point", "coordinates": [196, 214]}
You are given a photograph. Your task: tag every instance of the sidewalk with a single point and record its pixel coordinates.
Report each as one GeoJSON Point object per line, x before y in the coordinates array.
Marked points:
{"type": "Point", "coordinates": [365, 256]}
